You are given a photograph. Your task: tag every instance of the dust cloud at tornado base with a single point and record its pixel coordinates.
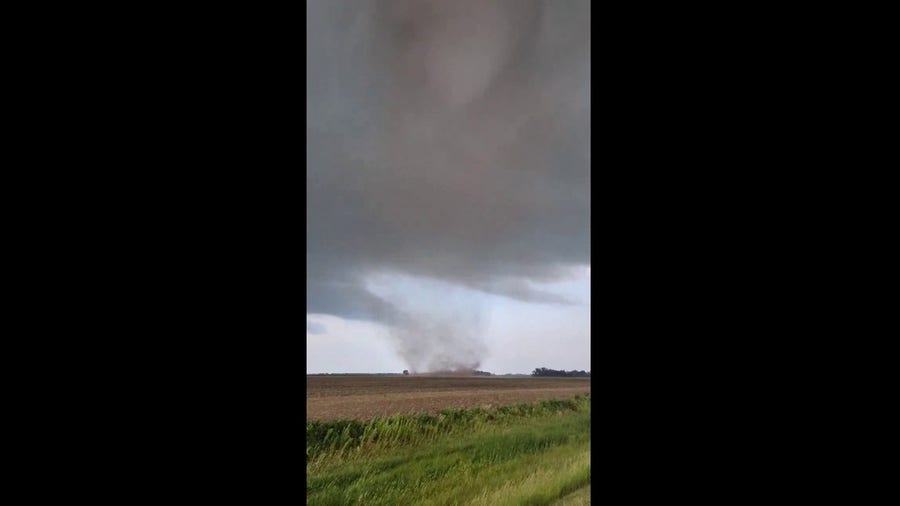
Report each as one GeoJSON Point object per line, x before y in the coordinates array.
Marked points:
{"type": "Point", "coordinates": [446, 141]}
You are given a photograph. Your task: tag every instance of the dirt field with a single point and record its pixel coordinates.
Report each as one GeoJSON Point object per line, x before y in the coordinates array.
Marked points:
{"type": "Point", "coordinates": [365, 397]}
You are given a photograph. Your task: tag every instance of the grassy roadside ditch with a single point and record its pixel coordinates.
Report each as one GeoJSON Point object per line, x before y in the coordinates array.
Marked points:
{"type": "Point", "coordinates": [524, 454]}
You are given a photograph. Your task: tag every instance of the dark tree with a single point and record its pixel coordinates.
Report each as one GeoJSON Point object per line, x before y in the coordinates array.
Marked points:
{"type": "Point", "coordinates": [544, 372]}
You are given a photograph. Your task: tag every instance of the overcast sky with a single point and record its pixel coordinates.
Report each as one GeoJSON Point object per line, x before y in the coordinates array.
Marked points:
{"type": "Point", "coordinates": [448, 185]}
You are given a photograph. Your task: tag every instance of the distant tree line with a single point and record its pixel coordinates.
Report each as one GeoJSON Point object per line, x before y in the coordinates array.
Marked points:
{"type": "Point", "coordinates": [544, 372]}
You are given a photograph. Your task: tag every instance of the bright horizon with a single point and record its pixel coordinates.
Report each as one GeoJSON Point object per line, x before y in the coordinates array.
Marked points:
{"type": "Point", "coordinates": [516, 333]}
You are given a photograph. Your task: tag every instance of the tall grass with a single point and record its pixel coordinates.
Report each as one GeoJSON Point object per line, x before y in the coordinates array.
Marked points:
{"type": "Point", "coordinates": [524, 454]}
{"type": "Point", "coordinates": [342, 436]}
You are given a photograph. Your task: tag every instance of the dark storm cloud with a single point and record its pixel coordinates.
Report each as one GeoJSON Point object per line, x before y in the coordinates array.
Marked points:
{"type": "Point", "coordinates": [445, 139]}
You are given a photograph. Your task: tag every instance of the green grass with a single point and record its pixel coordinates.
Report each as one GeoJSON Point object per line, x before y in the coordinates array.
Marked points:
{"type": "Point", "coordinates": [525, 454]}
{"type": "Point", "coordinates": [577, 498]}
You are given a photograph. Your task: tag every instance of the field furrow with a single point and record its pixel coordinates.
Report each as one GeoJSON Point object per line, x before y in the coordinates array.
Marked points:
{"type": "Point", "coordinates": [366, 397]}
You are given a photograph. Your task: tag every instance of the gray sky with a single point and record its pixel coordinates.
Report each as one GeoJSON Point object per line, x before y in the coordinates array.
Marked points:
{"type": "Point", "coordinates": [448, 185]}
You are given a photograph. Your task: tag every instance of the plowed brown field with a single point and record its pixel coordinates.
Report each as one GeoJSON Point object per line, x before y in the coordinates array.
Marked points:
{"type": "Point", "coordinates": [365, 397]}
